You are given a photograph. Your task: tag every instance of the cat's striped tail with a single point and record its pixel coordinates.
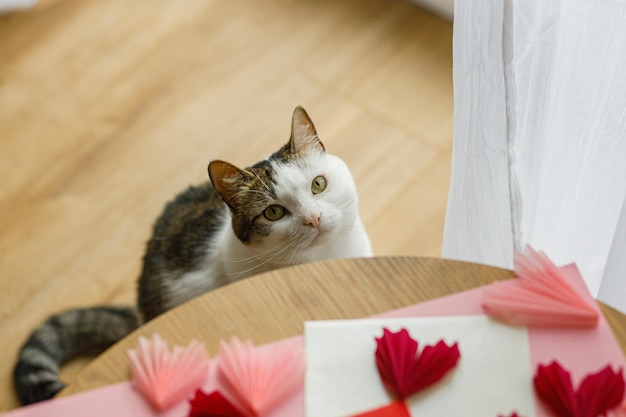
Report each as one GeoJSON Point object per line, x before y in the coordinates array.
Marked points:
{"type": "Point", "coordinates": [62, 337]}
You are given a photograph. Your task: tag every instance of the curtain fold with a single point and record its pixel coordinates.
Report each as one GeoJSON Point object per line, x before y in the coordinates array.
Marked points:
{"type": "Point", "coordinates": [478, 219]}
{"type": "Point", "coordinates": [547, 165]}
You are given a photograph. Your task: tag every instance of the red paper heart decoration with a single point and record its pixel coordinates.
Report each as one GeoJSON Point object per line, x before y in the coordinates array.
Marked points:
{"type": "Point", "coordinates": [212, 405]}
{"type": "Point", "coordinates": [406, 372]}
{"type": "Point", "coordinates": [597, 394]}
{"type": "Point", "coordinates": [397, 408]}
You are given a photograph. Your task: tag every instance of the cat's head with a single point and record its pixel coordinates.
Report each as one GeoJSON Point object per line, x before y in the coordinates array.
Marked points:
{"type": "Point", "coordinates": [298, 199]}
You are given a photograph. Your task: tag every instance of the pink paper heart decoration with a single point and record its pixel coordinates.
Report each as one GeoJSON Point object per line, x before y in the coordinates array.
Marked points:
{"type": "Point", "coordinates": [261, 378]}
{"type": "Point", "coordinates": [541, 295]}
{"type": "Point", "coordinates": [167, 378]}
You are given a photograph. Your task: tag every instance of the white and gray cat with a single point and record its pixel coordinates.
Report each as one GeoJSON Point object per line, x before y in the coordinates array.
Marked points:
{"type": "Point", "coordinates": [298, 205]}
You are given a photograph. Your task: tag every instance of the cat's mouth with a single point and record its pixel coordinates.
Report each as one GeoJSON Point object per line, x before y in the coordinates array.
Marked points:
{"type": "Point", "coordinates": [320, 237]}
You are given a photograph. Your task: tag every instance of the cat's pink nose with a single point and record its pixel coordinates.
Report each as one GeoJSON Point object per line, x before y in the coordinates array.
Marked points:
{"type": "Point", "coordinates": [312, 220]}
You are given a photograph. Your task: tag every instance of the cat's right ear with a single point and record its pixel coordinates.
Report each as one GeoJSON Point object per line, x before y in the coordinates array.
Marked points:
{"type": "Point", "coordinates": [226, 179]}
{"type": "Point", "coordinates": [303, 134]}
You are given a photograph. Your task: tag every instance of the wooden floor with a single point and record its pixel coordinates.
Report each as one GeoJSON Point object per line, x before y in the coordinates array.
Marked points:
{"type": "Point", "coordinates": [108, 108]}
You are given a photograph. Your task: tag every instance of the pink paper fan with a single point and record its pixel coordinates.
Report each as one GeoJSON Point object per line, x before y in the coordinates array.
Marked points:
{"type": "Point", "coordinates": [261, 378]}
{"type": "Point", "coordinates": [166, 378]}
{"type": "Point", "coordinates": [541, 295]}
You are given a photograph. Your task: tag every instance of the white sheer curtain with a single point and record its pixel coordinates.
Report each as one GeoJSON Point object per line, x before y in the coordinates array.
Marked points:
{"type": "Point", "coordinates": [539, 154]}
{"type": "Point", "coordinates": [10, 5]}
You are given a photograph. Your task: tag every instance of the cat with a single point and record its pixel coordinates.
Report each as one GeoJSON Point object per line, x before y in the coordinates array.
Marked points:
{"type": "Point", "coordinates": [298, 205]}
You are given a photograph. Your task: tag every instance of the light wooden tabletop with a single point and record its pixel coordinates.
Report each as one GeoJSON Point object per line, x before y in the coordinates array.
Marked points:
{"type": "Point", "coordinates": [274, 305]}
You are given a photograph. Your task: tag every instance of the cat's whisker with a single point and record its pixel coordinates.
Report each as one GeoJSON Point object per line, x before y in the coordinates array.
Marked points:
{"type": "Point", "coordinates": [366, 193]}
{"type": "Point", "coordinates": [348, 208]}
{"type": "Point", "coordinates": [288, 244]}
{"type": "Point", "coordinates": [265, 185]}
{"type": "Point", "coordinates": [252, 257]}
{"type": "Point", "coordinates": [350, 205]}
{"type": "Point", "coordinates": [365, 196]}
{"type": "Point", "coordinates": [260, 255]}
{"type": "Point", "coordinates": [274, 251]}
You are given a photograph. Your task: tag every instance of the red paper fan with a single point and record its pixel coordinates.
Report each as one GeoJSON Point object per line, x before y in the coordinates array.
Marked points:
{"type": "Point", "coordinates": [541, 295]}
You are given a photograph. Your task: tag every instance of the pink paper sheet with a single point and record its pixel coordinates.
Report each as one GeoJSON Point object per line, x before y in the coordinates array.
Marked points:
{"type": "Point", "coordinates": [580, 351]}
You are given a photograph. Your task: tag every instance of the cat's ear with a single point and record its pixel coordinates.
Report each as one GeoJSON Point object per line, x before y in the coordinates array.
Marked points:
{"type": "Point", "coordinates": [226, 179]}
{"type": "Point", "coordinates": [303, 134]}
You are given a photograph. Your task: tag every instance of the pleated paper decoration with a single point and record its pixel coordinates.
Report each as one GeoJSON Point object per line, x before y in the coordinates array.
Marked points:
{"type": "Point", "coordinates": [260, 378]}
{"type": "Point", "coordinates": [405, 371]}
{"type": "Point", "coordinates": [213, 405]}
{"type": "Point", "coordinates": [541, 295]}
{"type": "Point", "coordinates": [597, 394]}
{"type": "Point", "coordinates": [167, 378]}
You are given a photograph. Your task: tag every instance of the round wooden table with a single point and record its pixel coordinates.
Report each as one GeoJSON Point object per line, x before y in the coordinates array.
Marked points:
{"type": "Point", "coordinates": [274, 305]}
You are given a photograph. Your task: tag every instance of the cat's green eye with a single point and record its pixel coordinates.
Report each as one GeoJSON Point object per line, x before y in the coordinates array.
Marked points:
{"type": "Point", "coordinates": [274, 212]}
{"type": "Point", "coordinates": [318, 185]}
